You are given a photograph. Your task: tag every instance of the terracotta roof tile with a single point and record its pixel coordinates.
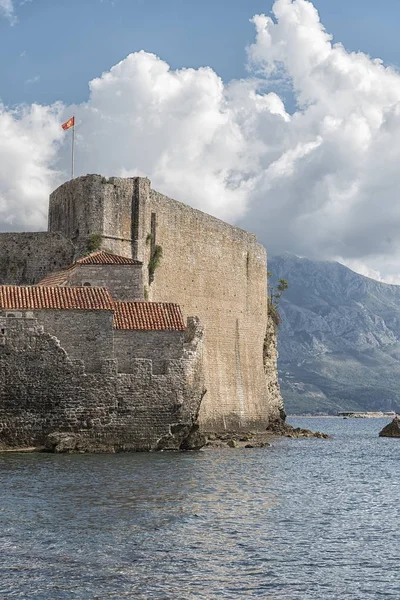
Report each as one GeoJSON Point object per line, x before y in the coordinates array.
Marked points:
{"type": "Point", "coordinates": [58, 278]}
{"type": "Point", "coordinates": [96, 258]}
{"type": "Point", "coordinates": [63, 298]}
{"type": "Point", "coordinates": [101, 257]}
{"type": "Point", "coordinates": [156, 316]}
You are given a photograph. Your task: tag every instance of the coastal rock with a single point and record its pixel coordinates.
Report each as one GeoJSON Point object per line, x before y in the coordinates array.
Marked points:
{"type": "Point", "coordinates": [392, 429]}
{"type": "Point", "coordinates": [283, 429]}
{"type": "Point", "coordinates": [252, 439]}
{"type": "Point", "coordinates": [270, 357]}
{"type": "Point", "coordinates": [194, 441]}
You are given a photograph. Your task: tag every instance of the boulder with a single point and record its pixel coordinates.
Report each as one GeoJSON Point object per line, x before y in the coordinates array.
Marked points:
{"type": "Point", "coordinates": [392, 429]}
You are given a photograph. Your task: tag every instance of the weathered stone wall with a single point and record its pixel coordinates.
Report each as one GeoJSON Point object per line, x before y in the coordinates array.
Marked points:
{"type": "Point", "coordinates": [43, 391]}
{"type": "Point", "coordinates": [76, 209]}
{"type": "Point", "coordinates": [123, 281]}
{"type": "Point", "coordinates": [93, 204]}
{"type": "Point", "coordinates": [159, 346]}
{"type": "Point", "coordinates": [25, 258]}
{"type": "Point", "coordinates": [217, 272]}
{"type": "Point", "coordinates": [86, 335]}
{"type": "Point", "coordinates": [210, 268]}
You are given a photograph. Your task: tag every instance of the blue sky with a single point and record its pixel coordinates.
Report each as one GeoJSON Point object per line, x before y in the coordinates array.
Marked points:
{"type": "Point", "coordinates": [57, 46]}
{"type": "Point", "coordinates": [311, 166]}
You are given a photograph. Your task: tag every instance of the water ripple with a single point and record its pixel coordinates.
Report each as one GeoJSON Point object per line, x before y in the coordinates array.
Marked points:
{"type": "Point", "coordinates": [304, 520]}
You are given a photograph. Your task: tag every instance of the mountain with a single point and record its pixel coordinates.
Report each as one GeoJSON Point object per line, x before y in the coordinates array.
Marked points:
{"type": "Point", "coordinates": [339, 341]}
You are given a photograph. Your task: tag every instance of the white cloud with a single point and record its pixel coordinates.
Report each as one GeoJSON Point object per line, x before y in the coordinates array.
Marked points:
{"type": "Point", "coordinates": [33, 80]}
{"type": "Point", "coordinates": [7, 10]}
{"type": "Point", "coordinates": [322, 182]}
{"type": "Point", "coordinates": [29, 140]}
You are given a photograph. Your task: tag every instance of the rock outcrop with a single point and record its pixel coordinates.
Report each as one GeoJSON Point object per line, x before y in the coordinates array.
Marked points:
{"type": "Point", "coordinates": [392, 429]}
{"type": "Point", "coordinates": [270, 355]}
{"type": "Point", "coordinates": [283, 429]}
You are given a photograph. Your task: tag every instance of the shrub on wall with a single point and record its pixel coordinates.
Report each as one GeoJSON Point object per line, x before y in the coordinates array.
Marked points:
{"type": "Point", "coordinates": [94, 242]}
{"type": "Point", "coordinates": [154, 261]}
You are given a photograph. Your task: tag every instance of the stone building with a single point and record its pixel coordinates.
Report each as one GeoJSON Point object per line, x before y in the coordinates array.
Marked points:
{"type": "Point", "coordinates": [109, 373]}
{"type": "Point", "coordinates": [170, 253]}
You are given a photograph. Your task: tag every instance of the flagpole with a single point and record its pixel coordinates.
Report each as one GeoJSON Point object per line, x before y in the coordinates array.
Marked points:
{"type": "Point", "coordinates": [73, 150]}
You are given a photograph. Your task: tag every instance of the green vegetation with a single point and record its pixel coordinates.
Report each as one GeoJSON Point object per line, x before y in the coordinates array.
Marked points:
{"type": "Point", "coordinates": [149, 238]}
{"type": "Point", "coordinates": [94, 242]}
{"type": "Point", "coordinates": [154, 261]}
{"type": "Point", "coordinates": [274, 296]}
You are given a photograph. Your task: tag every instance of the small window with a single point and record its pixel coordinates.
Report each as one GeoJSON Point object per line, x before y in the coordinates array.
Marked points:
{"type": "Point", "coordinates": [87, 284]}
{"type": "Point", "coordinates": [3, 331]}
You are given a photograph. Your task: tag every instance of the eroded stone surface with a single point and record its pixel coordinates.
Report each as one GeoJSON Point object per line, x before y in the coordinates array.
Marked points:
{"type": "Point", "coordinates": [45, 393]}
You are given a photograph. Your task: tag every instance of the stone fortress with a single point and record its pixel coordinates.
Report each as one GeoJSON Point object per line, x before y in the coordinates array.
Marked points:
{"type": "Point", "coordinates": [133, 321]}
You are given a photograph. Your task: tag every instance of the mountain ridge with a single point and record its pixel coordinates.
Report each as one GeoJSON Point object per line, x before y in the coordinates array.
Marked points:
{"type": "Point", "coordinates": [339, 341]}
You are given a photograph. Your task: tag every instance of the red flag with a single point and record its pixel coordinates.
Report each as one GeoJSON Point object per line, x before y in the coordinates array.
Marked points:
{"type": "Point", "coordinates": [68, 124]}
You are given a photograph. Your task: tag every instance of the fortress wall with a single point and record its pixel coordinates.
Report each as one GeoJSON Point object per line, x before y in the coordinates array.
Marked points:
{"type": "Point", "coordinates": [105, 411]}
{"type": "Point", "coordinates": [93, 204]}
{"type": "Point", "coordinates": [210, 268]}
{"type": "Point", "coordinates": [117, 229]}
{"type": "Point", "coordinates": [25, 258]}
{"type": "Point", "coordinates": [124, 281]}
{"type": "Point", "coordinates": [158, 346]}
{"type": "Point", "coordinates": [76, 209]}
{"type": "Point", "coordinates": [84, 334]}
{"type": "Point", "coordinates": [217, 272]}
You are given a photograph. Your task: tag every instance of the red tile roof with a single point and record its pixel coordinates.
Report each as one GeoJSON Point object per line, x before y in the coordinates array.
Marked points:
{"type": "Point", "coordinates": [156, 316]}
{"type": "Point", "coordinates": [96, 258]}
{"type": "Point", "coordinates": [101, 257]}
{"type": "Point", "coordinates": [15, 297]}
{"type": "Point", "coordinates": [58, 278]}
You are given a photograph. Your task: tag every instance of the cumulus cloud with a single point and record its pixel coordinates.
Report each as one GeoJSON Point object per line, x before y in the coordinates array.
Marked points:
{"type": "Point", "coordinates": [29, 140]}
{"type": "Point", "coordinates": [339, 199]}
{"type": "Point", "coordinates": [320, 182]}
{"type": "Point", "coordinates": [7, 10]}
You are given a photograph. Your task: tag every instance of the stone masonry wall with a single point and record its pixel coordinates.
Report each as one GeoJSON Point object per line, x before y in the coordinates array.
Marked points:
{"type": "Point", "coordinates": [217, 272]}
{"type": "Point", "coordinates": [210, 268]}
{"type": "Point", "coordinates": [84, 334]}
{"type": "Point", "coordinates": [107, 410]}
{"type": "Point", "coordinates": [159, 346]}
{"type": "Point", "coordinates": [123, 281]}
{"type": "Point", "coordinates": [25, 258]}
{"type": "Point", "coordinates": [93, 204]}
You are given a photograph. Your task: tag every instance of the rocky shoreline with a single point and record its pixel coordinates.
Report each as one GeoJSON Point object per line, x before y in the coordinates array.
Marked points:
{"type": "Point", "coordinates": [260, 439]}
{"type": "Point", "coordinates": [68, 443]}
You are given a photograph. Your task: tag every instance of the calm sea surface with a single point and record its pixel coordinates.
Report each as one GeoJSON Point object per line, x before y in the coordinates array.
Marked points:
{"type": "Point", "coordinates": [304, 519]}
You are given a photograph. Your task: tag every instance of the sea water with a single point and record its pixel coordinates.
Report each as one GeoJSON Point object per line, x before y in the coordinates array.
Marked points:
{"type": "Point", "coordinates": [302, 520]}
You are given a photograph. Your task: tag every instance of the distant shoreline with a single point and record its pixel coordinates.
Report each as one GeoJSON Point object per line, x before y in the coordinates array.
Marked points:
{"type": "Point", "coordinates": [363, 416]}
